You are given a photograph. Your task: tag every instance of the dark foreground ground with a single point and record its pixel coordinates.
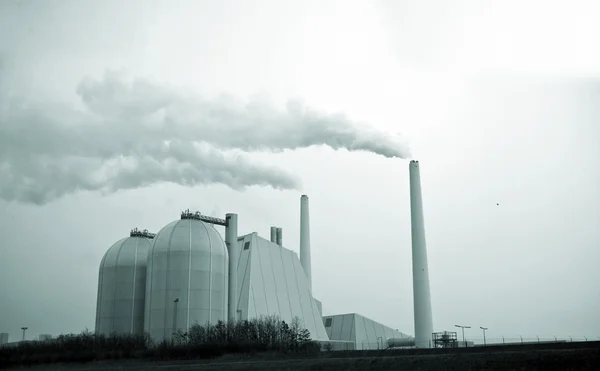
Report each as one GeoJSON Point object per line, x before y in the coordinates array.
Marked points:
{"type": "Point", "coordinates": [545, 357]}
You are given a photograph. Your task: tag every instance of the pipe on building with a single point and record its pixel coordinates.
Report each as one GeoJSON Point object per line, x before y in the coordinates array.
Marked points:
{"type": "Point", "coordinates": [231, 235]}
{"type": "Point", "coordinates": [421, 293]}
{"type": "Point", "coordinates": [400, 342]}
{"type": "Point", "coordinates": [279, 237]}
{"type": "Point", "coordinates": [305, 239]}
{"type": "Point", "coordinates": [274, 234]}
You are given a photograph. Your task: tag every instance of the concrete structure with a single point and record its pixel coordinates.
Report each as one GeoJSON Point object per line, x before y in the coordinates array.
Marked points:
{"type": "Point", "coordinates": [231, 236]}
{"type": "Point", "coordinates": [421, 294]}
{"type": "Point", "coordinates": [272, 282]}
{"type": "Point", "coordinates": [122, 285]}
{"type": "Point", "coordinates": [305, 239]}
{"type": "Point", "coordinates": [364, 332]}
{"type": "Point", "coordinates": [3, 338]}
{"type": "Point", "coordinates": [187, 278]}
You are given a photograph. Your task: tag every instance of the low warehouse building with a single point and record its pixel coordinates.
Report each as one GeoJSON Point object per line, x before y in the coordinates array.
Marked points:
{"type": "Point", "coordinates": [364, 332]}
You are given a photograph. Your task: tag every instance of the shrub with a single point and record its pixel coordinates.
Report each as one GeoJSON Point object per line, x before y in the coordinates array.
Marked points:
{"type": "Point", "coordinates": [265, 334]}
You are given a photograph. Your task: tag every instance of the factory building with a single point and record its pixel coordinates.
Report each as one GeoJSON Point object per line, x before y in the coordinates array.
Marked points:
{"type": "Point", "coordinates": [165, 283]}
{"type": "Point", "coordinates": [188, 274]}
{"type": "Point", "coordinates": [362, 332]}
{"type": "Point", "coordinates": [3, 338]}
{"type": "Point", "coordinates": [272, 282]}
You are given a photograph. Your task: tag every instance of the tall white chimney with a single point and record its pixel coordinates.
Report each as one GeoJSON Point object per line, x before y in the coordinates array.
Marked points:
{"type": "Point", "coordinates": [274, 234]}
{"type": "Point", "coordinates": [231, 235]}
{"type": "Point", "coordinates": [305, 239]}
{"type": "Point", "coordinates": [421, 294]}
{"type": "Point", "coordinates": [279, 237]}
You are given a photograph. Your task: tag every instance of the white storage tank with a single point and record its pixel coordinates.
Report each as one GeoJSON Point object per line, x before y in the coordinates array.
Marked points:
{"type": "Point", "coordinates": [122, 285]}
{"type": "Point", "coordinates": [186, 281]}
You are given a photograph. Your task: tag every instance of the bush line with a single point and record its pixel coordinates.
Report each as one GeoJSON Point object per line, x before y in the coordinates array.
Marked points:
{"type": "Point", "coordinates": [265, 334]}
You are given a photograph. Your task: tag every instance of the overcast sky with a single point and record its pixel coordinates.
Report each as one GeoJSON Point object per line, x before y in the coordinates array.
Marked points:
{"type": "Point", "coordinates": [115, 115]}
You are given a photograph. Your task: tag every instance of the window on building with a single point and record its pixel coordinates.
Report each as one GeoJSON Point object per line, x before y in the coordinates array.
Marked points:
{"type": "Point", "coordinates": [328, 322]}
{"type": "Point", "coordinates": [247, 245]}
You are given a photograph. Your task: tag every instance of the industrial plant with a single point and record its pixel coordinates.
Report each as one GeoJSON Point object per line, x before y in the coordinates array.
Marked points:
{"type": "Point", "coordinates": [164, 283]}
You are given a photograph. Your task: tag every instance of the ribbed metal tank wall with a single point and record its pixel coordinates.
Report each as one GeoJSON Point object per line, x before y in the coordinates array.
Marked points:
{"type": "Point", "coordinates": [186, 281]}
{"type": "Point", "coordinates": [122, 287]}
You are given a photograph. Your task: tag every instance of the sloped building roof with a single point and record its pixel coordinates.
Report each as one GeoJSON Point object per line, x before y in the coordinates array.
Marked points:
{"type": "Point", "coordinates": [271, 282]}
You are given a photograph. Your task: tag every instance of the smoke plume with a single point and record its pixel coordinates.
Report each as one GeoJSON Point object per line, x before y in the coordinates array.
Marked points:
{"type": "Point", "coordinates": [130, 134]}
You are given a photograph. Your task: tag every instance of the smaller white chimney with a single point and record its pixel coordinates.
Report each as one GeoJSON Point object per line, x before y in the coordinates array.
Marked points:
{"type": "Point", "coordinates": [274, 234]}
{"type": "Point", "coordinates": [305, 239]}
{"type": "Point", "coordinates": [279, 236]}
{"type": "Point", "coordinates": [231, 235]}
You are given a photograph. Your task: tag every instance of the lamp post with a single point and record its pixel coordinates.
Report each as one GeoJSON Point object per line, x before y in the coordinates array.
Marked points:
{"type": "Point", "coordinates": [483, 328]}
{"type": "Point", "coordinates": [463, 332]}
{"type": "Point", "coordinates": [24, 329]}
{"type": "Point", "coordinates": [175, 302]}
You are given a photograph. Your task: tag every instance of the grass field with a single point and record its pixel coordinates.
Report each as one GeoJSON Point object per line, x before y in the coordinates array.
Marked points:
{"type": "Point", "coordinates": [553, 357]}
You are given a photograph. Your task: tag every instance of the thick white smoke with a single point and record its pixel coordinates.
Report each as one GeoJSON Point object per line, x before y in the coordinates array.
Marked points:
{"type": "Point", "coordinates": [132, 134]}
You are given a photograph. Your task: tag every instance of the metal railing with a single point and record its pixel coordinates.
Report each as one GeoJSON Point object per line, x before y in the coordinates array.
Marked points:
{"type": "Point", "coordinates": [141, 233]}
{"type": "Point", "coordinates": [504, 340]}
{"type": "Point", "coordinates": [337, 345]}
{"type": "Point", "coordinates": [187, 214]}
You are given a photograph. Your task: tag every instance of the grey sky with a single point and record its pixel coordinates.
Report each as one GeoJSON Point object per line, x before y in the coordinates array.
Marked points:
{"type": "Point", "coordinates": [499, 104]}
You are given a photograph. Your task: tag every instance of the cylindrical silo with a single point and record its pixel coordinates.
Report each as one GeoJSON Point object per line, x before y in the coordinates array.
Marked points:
{"type": "Point", "coordinates": [186, 281]}
{"type": "Point", "coordinates": [122, 285]}
{"type": "Point", "coordinates": [421, 294]}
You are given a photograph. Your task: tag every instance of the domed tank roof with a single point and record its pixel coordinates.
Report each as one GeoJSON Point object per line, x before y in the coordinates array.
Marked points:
{"type": "Point", "coordinates": [186, 279]}
{"type": "Point", "coordinates": [186, 233]}
{"type": "Point", "coordinates": [122, 285]}
{"type": "Point", "coordinates": [122, 252]}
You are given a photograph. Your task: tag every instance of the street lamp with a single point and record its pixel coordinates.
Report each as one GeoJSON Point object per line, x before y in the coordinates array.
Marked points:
{"type": "Point", "coordinates": [175, 302]}
{"type": "Point", "coordinates": [463, 332]}
{"type": "Point", "coordinates": [23, 328]}
{"type": "Point", "coordinates": [483, 328]}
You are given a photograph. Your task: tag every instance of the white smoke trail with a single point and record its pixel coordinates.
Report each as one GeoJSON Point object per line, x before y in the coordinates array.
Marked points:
{"type": "Point", "coordinates": [135, 133]}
